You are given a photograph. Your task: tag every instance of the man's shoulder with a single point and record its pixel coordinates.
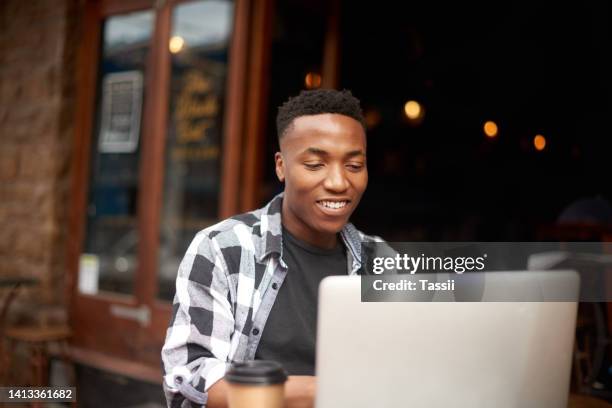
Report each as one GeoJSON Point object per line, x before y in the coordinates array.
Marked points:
{"type": "Point", "coordinates": [229, 227]}
{"type": "Point", "coordinates": [256, 222]}
{"type": "Point", "coordinates": [250, 231]}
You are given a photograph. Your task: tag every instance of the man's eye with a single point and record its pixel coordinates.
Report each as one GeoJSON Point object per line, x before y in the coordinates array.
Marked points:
{"type": "Point", "coordinates": [313, 166]}
{"type": "Point", "coordinates": [355, 166]}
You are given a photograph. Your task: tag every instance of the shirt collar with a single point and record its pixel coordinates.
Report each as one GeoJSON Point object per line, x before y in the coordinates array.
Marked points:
{"type": "Point", "coordinates": [272, 232]}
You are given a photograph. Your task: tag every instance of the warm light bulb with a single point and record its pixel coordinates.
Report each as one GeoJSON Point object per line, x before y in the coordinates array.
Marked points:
{"type": "Point", "coordinates": [176, 44]}
{"type": "Point", "coordinates": [490, 129]}
{"type": "Point", "coordinates": [539, 142]}
{"type": "Point", "coordinates": [413, 110]}
{"type": "Point", "coordinates": [312, 80]}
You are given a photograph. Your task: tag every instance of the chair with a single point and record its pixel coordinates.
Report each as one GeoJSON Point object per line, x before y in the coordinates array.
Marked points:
{"type": "Point", "coordinates": [40, 340]}
{"type": "Point", "coordinates": [12, 284]}
{"type": "Point", "coordinates": [43, 338]}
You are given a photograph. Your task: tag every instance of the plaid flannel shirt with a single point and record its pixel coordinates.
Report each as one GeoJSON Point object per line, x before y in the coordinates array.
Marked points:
{"type": "Point", "coordinates": [226, 285]}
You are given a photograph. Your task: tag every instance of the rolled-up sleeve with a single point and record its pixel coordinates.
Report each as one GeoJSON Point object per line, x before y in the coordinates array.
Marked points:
{"type": "Point", "coordinates": [196, 349]}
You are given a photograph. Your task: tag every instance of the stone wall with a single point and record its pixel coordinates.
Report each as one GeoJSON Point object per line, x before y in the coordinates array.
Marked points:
{"type": "Point", "coordinates": [38, 46]}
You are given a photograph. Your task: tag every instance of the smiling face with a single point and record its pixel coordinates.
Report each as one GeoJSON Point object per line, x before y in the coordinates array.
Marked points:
{"type": "Point", "coordinates": [323, 165]}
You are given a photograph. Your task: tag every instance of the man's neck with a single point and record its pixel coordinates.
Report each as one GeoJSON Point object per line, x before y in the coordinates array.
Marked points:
{"type": "Point", "coordinates": [304, 233]}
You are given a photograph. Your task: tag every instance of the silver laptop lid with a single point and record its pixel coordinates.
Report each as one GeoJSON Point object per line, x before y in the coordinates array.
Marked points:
{"type": "Point", "coordinates": [440, 354]}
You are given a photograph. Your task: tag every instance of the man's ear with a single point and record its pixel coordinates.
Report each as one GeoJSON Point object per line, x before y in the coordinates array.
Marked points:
{"type": "Point", "coordinates": [280, 167]}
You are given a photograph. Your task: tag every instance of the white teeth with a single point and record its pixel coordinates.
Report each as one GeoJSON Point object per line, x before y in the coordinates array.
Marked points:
{"type": "Point", "coordinates": [334, 204]}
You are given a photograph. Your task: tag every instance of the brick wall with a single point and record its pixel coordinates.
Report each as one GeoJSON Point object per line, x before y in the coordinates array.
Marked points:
{"type": "Point", "coordinates": [38, 43]}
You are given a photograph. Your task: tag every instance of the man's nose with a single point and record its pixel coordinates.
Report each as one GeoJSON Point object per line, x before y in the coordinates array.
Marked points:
{"type": "Point", "coordinates": [336, 179]}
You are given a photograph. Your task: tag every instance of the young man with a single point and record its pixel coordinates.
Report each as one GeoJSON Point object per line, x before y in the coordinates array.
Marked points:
{"type": "Point", "coordinates": [247, 287]}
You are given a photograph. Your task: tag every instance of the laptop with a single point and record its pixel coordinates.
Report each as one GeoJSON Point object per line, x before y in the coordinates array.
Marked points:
{"type": "Point", "coordinates": [441, 354]}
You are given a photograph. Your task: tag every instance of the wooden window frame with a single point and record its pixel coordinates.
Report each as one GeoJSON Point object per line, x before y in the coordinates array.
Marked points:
{"type": "Point", "coordinates": [247, 70]}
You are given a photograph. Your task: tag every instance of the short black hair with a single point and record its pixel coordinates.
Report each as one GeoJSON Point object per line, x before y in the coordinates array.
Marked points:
{"type": "Point", "coordinates": [315, 102]}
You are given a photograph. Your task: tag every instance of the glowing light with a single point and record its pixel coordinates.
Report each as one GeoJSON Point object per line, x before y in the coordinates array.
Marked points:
{"type": "Point", "coordinates": [539, 142]}
{"type": "Point", "coordinates": [176, 44]}
{"type": "Point", "coordinates": [312, 80]}
{"type": "Point", "coordinates": [490, 129]}
{"type": "Point", "coordinates": [413, 110]}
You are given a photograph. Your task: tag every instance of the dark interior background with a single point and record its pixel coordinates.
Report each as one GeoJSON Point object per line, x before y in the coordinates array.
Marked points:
{"type": "Point", "coordinates": [533, 68]}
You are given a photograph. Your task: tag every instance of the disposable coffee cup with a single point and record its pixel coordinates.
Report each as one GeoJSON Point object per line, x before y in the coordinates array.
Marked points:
{"type": "Point", "coordinates": [256, 384]}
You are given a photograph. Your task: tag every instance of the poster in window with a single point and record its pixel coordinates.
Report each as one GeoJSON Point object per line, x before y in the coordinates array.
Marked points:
{"type": "Point", "coordinates": [121, 108]}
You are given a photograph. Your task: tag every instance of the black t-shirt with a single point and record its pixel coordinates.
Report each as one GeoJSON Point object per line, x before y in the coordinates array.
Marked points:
{"type": "Point", "coordinates": [290, 331]}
